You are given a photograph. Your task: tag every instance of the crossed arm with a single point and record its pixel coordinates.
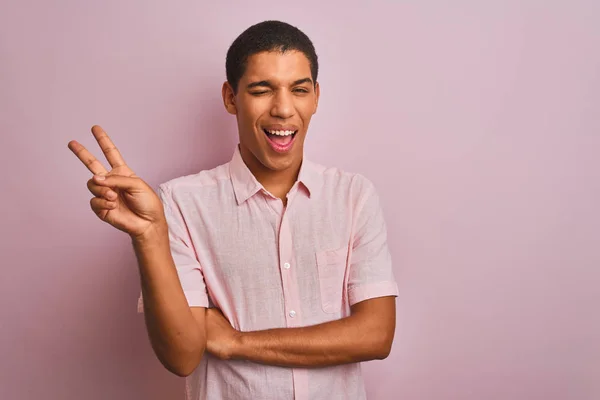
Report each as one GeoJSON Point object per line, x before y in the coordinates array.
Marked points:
{"type": "Point", "coordinates": [180, 335]}
{"type": "Point", "coordinates": [367, 334]}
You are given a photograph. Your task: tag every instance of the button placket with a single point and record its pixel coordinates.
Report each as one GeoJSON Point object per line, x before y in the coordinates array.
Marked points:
{"type": "Point", "coordinates": [288, 276]}
{"type": "Point", "coordinates": [293, 312]}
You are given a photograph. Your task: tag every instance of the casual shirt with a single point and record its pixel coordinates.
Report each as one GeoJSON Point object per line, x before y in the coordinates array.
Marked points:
{"type": "Point", "coordinates": [266, 265]}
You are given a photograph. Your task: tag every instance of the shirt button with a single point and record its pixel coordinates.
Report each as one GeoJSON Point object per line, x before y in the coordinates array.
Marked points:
{"type": "Point", "coordinates": [292, 314]}
{"type": "Point", "coordinates": [286, 265]}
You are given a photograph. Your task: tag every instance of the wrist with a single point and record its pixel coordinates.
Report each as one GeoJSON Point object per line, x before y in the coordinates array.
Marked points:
{"type": "Point", "coordinates": [157, 233]}
{"type": "Point", "coordinates": [237, 346]}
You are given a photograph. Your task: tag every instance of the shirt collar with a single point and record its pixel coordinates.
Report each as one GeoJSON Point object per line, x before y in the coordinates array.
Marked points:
{"type": "Point", "coordinates": [245, 184]}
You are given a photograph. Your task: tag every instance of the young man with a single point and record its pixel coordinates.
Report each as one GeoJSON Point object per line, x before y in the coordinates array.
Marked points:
{"type": "Point", "coordinates": [268, 277]}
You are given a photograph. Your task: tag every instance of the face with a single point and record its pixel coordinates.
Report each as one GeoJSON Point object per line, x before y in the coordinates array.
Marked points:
{"type": "Point", "coordinates": [275, 101]}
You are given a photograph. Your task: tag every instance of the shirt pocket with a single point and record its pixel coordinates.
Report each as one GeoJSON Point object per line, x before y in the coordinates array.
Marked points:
{"type": "Point", "coordinates": [332, 267]}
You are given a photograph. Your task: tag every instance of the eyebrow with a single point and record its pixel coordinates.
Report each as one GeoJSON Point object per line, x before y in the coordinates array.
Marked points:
{"type": "Point", "coordinates": [270, 85]}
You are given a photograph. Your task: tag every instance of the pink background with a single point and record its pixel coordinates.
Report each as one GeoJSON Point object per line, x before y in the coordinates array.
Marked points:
{"type": "Point", "coordinates": [479, 124]}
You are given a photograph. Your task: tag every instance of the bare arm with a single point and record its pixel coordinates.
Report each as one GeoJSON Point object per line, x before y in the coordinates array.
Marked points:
{"type": "Point", "coordinates": [125, 201]}
{"type": "Point", "coordinates": [176, 331]}
{"type": "Point", "coordinates": [365, 335]}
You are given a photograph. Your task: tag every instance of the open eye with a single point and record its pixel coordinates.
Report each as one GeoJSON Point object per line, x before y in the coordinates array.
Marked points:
{"type": "Point", "coordinates": [300, 90]}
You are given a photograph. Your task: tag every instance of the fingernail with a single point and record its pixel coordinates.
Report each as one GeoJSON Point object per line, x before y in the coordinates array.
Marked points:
{"type": "Point", "coordinates": [100, 177]}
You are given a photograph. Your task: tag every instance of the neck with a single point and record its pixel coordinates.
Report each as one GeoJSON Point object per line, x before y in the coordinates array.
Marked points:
{"type": "Point", "coordinates": [278, 183]}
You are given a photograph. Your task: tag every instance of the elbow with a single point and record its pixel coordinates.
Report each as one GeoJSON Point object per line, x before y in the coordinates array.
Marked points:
{"type": "Point", "coordinates": [383, 352]}
{"type": "Point", "coordinates": [182, 363]}
{"type": "Point", "coordinates": [375, 349]}
{"type": "Point", "coordinates": [181, 371]}
{"type": "Point", "coordinates": [384, 347]}
{"type": "Point", "coordinates": [184, 367]}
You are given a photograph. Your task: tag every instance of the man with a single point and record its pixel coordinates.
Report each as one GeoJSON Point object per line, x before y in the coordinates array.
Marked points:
{"type": "Point", "coordinates": [268, 277]}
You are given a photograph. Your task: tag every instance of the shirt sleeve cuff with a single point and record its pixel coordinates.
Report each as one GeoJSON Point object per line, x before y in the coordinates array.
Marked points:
{"type": "Point", "coordinates": [356, 294]}
{"type": "Point", "coordinates": [194, 299]}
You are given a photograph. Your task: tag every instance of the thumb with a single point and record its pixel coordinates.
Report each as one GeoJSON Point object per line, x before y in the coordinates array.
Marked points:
{"type": "Point", "coordinates": [126, 183]}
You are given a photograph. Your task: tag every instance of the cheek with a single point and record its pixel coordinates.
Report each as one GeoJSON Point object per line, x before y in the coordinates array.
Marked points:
{"type": "Point", "coordinates": [249, 115]}
{"type": "Point", "coordinates": [306, 115]}
{"type": "Point", "coordinates": [245, 121]}
{"type": "Point", "coordinates": [306, 109]}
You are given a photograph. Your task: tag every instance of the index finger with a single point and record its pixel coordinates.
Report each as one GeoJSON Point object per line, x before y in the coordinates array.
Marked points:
{"type": "Point", "coordinates": [87, 158]}
{"type": "Point", "coordinates": [109, 149]}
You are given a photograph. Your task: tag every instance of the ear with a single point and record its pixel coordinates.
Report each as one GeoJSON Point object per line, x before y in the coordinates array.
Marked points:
{"type": "Point", "coordinates": [229, 98]}
{"type": "Point", "coordinates": [317, 94]}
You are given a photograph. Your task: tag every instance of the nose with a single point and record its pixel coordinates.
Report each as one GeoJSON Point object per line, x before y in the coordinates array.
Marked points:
{"type": "Point", "coordinates": [283, 105]}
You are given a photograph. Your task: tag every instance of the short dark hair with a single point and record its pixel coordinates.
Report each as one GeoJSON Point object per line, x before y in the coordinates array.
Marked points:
{"type": "Point", "coordinates": [267, 36]}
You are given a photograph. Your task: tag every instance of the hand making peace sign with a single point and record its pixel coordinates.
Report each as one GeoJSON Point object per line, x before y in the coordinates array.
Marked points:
{"type": "Point", "coordinates": [122, 199]}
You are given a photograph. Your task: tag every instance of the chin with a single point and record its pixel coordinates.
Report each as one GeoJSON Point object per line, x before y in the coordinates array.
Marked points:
{"type": "Point", "coordinates": [272, 157]}
{"type": "Point", "coordinates": [279, 162]}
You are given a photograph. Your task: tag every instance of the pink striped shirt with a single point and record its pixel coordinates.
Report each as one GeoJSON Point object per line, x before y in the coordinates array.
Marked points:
{"type": "Point", "coordinates": [236, 247]}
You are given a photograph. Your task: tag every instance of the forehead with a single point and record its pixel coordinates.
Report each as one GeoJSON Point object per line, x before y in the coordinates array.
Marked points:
{"type": "Point", "coordinates": [277, 66]}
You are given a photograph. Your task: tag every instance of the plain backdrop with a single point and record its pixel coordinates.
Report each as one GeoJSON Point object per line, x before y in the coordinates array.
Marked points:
{"type": "Point", "coordinates": [478, 122]}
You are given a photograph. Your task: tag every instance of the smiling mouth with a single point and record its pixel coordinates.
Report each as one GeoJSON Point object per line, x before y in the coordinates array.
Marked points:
{"type": "Point", "coordinates": [280, 141]}
{"type": "Point", "coordinates": [281, 137]}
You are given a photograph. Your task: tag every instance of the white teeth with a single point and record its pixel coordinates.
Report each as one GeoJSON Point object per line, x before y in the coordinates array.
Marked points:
{"type": "Point", "coordinates": [281, 133]}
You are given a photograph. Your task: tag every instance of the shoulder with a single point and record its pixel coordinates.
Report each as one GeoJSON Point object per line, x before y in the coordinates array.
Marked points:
{"type": "Point", "coordinates": [337, 181]}
{"type": "Point", "coordinates": [202, 182]}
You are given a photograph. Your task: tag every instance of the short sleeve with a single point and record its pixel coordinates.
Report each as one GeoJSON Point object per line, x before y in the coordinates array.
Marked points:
{"type": "Point", "coordinates": [188, 267]}
{"type": "Point", "coordinates": [370, 273]}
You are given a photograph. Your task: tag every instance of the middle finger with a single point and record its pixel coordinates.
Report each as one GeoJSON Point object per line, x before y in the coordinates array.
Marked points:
{"type": "Point", "coordinates": [109, 149]}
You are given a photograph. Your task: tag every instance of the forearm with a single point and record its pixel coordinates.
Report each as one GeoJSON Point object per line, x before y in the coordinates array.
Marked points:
{"type": "Point", "coordinates": [348, 340]}
{"type": "Point", "coordinates": [176, 337]}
